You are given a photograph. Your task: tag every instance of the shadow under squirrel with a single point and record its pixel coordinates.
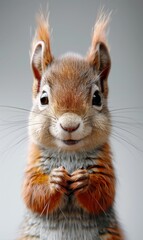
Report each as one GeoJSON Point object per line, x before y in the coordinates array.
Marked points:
{"type": "Point", "coordinates": [69, 182]}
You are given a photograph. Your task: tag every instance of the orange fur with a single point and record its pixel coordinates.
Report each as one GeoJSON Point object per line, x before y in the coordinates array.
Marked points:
{"type": "Point", "coordinates": [99, 195]}
{"type": "Point", "coordinates": [37, 193]}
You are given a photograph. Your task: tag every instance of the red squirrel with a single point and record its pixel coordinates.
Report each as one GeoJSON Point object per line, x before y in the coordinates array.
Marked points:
{"type": "Point", "coordinates": [69, 182]}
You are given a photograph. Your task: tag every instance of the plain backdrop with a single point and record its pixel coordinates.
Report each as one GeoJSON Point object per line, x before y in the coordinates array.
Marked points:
{"type": "Point", "coordinates": [72, 23]}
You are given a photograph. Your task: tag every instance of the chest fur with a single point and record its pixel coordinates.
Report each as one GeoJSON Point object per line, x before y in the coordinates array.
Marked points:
{"type": "Point", "coordinates": [71, 162]}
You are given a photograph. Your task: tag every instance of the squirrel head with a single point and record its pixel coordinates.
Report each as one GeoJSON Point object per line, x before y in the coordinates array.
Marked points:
{"type": "Point", "coordinates": [70, 93]}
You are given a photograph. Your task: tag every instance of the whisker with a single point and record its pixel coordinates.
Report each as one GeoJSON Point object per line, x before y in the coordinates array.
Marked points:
{"type": "Point", "coordinates": [129, 124]}
{"type": "Point", "coordinates": [116, 134]}
{"type": "Point", "coordinates": [127, 118]}
{"type": "Point", "coordinates": [116, 138]}
{"type": "Point", "coordinates": [44, 208]}
{"type": "Point", "coordinates": [11, 147]}
{"type": "Point", "coordinates": [15, 108]}
{"type": "Point", "coordinates": [98, 204]}
{"type": "Point", "coordinates": [62, 213]}
{"type": "Point", "coordinates": [21, 109]}
{"type": "Point", "coordinates": [126, 108]}
{"type": "Point", "coordinates": [5, 123]}
{"type": "Point", "coordinates": [125, 130]}
{"type": "Point", "coordinates": [17, 128]}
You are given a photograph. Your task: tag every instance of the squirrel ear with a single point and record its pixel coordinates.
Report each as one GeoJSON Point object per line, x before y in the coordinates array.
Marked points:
{"type": "Point", "coordinates": [98, 55]}
{"type": "Point", "coordinates": [37, 64]}
{"type": "Point", "coordinates": [100, 60]}
{"type": "Point", "coordinates": [41, 53]}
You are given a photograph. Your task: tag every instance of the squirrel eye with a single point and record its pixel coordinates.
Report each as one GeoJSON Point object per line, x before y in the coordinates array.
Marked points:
{"type": "Point", "coordinates": [96, 100]}
{"type": "Point", "coordinates": [44, 98]}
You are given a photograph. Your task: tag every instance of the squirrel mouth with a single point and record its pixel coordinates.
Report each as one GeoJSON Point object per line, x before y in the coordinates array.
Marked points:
{"type": "Point", "coordinates": [71, 142]}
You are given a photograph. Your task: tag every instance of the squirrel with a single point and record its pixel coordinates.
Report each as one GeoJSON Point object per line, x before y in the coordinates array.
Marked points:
{"type": "Point", "coordinates": [69, 183]}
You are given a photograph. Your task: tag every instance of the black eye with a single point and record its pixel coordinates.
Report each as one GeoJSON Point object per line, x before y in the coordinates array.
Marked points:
{"type": "Point", "coordinates": [96, 100]}
{"type": "Point", "coordinates": [44, 98]}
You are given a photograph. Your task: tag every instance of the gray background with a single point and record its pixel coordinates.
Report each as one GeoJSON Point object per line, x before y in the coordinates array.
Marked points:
{"type": "Point", "coordinates": [72, 22]}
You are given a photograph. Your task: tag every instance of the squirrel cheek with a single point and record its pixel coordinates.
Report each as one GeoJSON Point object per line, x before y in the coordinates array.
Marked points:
{"type": "Point", "coordinates": [101, 122]}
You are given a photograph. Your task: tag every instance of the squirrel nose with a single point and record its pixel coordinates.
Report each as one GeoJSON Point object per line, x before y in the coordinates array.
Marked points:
{"type": "Point", "coordinates": [70, 129]}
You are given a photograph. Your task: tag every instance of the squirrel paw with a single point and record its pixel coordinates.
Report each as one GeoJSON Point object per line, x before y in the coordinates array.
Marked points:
{"type": "Point", "coordinates": [59, 179]}
{"type": "Point", "coordinates": [79, 181]}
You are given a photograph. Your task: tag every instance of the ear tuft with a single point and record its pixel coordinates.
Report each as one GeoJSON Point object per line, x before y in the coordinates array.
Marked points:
{"type": "Point", "coordinates": [41, 55]}
{"type": "Point", "coordinates": [98, 55]}
{"type": "Point", "coordinates": [100, 29]}
{"type": "Point", "coordinates": [43, 34]}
